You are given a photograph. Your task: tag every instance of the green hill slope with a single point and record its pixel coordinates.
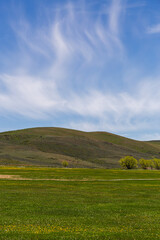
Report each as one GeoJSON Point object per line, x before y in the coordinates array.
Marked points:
{"type": "Point", "coordinates": [51, 146]}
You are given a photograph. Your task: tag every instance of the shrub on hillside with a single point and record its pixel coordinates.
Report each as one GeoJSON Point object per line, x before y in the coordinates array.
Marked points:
{"type": "Point", "coordinates": [128, 162]}
{"type": "Point", "coordinates": [65, 164]}
{"type": "Point", "coordinates": [145, 163]}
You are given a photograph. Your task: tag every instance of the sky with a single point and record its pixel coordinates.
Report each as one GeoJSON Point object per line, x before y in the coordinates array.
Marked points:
{"type": "Point", "coordinates": [91, 65]}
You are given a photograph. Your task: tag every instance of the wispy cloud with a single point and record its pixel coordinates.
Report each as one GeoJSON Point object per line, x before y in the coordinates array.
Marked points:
{"type": "Point", "coordinates": [114, 16]}
{"type": "Point", "coordinates": [122, 112]}
{"type": "Point", "coordinates": [122, 109]}
{"type": "Point", "coordinates": [154, 29]}
{"type": "Point", "coordinates": [51, 57]}
{"type": "Point", "coordinates": [27, 96]}
{"type": "Point", "coordinates": [58, 68]}
{"type": "Point", "coordinates": [136, 4]}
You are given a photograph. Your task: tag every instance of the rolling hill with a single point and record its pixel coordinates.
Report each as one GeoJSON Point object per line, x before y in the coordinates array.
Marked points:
{"type": "Point", "coordinates": [51, 146]}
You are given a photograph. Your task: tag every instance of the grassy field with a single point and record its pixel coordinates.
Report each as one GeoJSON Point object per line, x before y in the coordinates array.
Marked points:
{"type": "Point", "coordinates": [51, 146]}
{"type": "Point", "coordinates": [48, 203]}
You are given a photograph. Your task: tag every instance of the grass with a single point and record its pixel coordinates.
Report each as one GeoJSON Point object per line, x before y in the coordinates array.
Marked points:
{"type": "Point", "coordinates": [52, 146]}
{"type": "Point", "coordinates": [94, 208]}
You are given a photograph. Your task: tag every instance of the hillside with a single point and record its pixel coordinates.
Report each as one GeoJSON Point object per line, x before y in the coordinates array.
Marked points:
{"type": "Point", "coordinates": [51, 146]}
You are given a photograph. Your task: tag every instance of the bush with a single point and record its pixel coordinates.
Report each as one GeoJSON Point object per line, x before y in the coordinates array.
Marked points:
{"type": "Point", "coordinates": [65, 164]}
{"type": "Point", "coordinates": [128, 162]}
{"type": "Point", "coordinates": [145, 163]}
{"type": "Point", "coordinates": [156, 163]}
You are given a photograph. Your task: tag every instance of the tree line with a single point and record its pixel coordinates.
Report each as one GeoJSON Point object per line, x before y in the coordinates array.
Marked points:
{"type": "Point", "coordinates": [129, 162]}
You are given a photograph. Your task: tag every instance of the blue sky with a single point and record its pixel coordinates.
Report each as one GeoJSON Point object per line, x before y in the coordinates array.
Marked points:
{"type": "Point", "coordinates": [92, 65]}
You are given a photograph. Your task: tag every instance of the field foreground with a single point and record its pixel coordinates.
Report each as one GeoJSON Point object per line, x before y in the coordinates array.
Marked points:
{"type": "Point", "coordinates": [47, 203]}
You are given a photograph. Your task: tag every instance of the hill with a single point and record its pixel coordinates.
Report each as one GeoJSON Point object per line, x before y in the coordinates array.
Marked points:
{"type": "Point", "coordinates": [51, 146]}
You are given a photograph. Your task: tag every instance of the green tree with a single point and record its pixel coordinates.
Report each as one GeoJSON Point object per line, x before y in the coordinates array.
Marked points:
{"type": "Point", "coordinates": [65, 164]}
{"type": "Point", "coordinates": [156, 163]}
{"type": "Point", "coordinates": [144, 163]}
{"type": "Point", "coordinates": [128, 162]}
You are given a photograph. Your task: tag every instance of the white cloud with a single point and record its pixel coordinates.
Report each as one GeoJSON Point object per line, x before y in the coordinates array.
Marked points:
{"type": "Point", "coordinates": [150, 136]}
{"type": "Point", "coordinates": [35, 98]}
{"type": "Point", "coordinates": [52, 56]}
{"type": "Point", "coordinates": [28, 96]}
{"type": "Point", "coordinates": [144, 98]}
{"type": "Point", "coordinates": [114, 16]}
{"type": "Point", "coordinates": [52, 68]}
{"type": "Point", "coordinates": [154, 29]}
{"type": "Point", "coordinates": [135, 111]}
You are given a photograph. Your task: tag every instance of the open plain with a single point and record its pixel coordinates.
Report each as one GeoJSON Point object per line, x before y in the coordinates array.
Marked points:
{"type": "Point", "coordinates": [73, 204]}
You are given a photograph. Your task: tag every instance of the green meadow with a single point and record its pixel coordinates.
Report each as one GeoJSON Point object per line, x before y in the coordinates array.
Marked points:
{"type": "Point", "coordinates": [50, 203]}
